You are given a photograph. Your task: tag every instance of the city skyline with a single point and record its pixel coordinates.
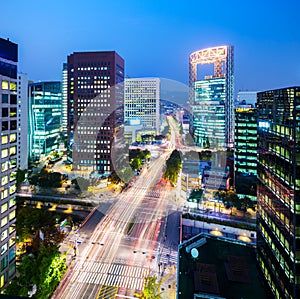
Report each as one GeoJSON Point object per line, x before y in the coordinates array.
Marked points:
{"type": "Point", "coordinates": [156, 39]}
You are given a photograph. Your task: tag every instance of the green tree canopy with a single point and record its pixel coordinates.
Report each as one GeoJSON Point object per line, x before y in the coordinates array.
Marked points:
{"type": "Point", "coordinates": [196, 195]}
{"type": "Point", "coordinates": [173, 166]}
{"type": "Point", "coordinates": [151, 289]}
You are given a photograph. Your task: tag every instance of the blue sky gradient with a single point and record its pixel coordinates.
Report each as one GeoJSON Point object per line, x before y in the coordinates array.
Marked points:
{"type": "Point", "coordinates": [156, 37]}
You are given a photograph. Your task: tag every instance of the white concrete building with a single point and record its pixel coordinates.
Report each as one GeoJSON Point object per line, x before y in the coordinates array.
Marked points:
{"type": "Point", "coordinates": [141, 103]}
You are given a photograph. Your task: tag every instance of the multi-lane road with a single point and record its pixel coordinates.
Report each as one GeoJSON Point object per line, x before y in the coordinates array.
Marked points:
{"type": "Point", "coordinates": [126, 244]}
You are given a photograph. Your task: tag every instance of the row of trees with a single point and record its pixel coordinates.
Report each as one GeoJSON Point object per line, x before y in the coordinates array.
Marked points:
{"type": "Point", "coordinates": [43, 266]}
{"type": "Point", "coordinates": [137, 158]}
{"type": "Point", "coordinates": [231, 199]}
{"type": "Point", "coordinates": [173, 166]}
{"type": "Point", "coordinates": [46, 179]}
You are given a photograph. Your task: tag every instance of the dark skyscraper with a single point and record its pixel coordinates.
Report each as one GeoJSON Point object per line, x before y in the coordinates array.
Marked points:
{"type": "Point", "coordinates": [278, 196]}
{"type": "Point", "coordinates": [95, 108]}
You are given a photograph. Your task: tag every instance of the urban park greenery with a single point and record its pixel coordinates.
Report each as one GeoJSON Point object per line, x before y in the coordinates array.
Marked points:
{"type": "Point", "coordinates": [42, 265]}
{"type": "Point", "coordinates": [151, 289]}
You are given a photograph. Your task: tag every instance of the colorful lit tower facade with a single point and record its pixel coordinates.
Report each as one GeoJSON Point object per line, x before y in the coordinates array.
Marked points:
{"type": "Point", "coordinates": [95, 108]}
{"type": "Point", "coordinates": [9, 152]}
{"type": "Point", "coordinates": [44, 118]}
{"type": "Point", "coordinates": [278, 194]}
{"type": "Point", "coordinates": [212, 98]}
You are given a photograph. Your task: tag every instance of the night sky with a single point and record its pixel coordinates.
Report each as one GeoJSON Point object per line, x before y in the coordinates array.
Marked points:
{"type": "Point", "coordinates": [156, 37]}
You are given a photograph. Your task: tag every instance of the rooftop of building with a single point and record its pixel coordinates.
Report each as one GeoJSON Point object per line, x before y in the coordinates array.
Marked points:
{"type": "Point", "coordinates": [217, 267]}
{"type": "Point", "coordinates": [8, 50]}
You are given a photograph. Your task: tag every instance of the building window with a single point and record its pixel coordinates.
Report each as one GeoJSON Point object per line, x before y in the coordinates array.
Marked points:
{"type": "Point", "coordinates": [5, 99]}
{"type": "Point", "coordinates": [3, 262]}
{"type": "Point", "coordinates": [12, 215]}
{"type": "Point", "coordinates": [13, 86]}
{"type": "Point", "coordinates": [4, 139]}
{"type": "Point", "coordinates": [4, 194]}
{"type": "Point", "coordinates": [12, 189]}
{"type": "Point", "coordinates": [4, 112]}
{"type": "Point", "coordinates": [12, 254]}
{"type": "Point", "coordinates": [4, 221]}
{"type": "Point", "coordinates": [4, 153]}
{"type": "Point", "coordinates": [13, 112]}
{"type": "Point", "coordinates": [4, 208]}
{"type": "Point", "coordinates": [2, 281]}
{"type": "Point", "coordinates": [13, 163]}
{"type": "Point", "coordinates": [12, 202]}
{"type": "Point", "coordinates": [12, 228]}
{"type": "Point", "coordinates": [13, 150]}
{"type": "Point", "coordinates": [13, 99]}
{"type": "Point", "coordinates": [13, 176]}
{"type": "Point", "coordinates": [4, 166]}
{"type": "Point", "coordinates": [4, 235]}
{"type": "Point", "coordinates": [13, 125]}
{"type": "Point", "coordinates": [12, 137]}
{"type": "Point", "coordinates": [4, 180]}
{"type": "Point", "coordinates": [4, 85]}
{"type": "Point", "coordinates": [4, 125]}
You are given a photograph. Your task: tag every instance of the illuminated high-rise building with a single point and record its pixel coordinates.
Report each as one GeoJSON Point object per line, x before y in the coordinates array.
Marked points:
{"type": "Point", "coordinates": [9, 152]}
{"type": "Point", "coordinates": [64, 106]}
{"type": "Point", "coordinates": [278, 194]}
{"type": "Point", "coordinates": [44, 118]}
{"type": "Point", "coordinates": [95, 108]}
{"type": "Point", "coordinates": [141, 104]}
{"type": "Point", "coordinates": [23, 120]}
{"type": "Point", "coordinates": [212, 98]}
{"type": "Point", "coordinates": [245, 151]}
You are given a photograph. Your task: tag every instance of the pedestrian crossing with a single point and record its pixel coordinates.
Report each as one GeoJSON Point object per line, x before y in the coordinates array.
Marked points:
{"type": "Point", "coordinates": [107, 292]}
{"type": "Point", "coordinates": [119, 275]}
{"type": "Point", "coordinates": [153, 193]}
{"type": "Point", "coordinates": [168, 257]}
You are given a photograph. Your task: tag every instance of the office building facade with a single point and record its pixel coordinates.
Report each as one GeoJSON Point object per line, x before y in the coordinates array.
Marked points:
{"type": "Point", "coordinates": [95, 108]}
{"type": "Point", "coordinates": [9, 157]}
{"type": "Point", "coordinates": [45, 103]}
{"type": "Point", "coordinates": [245, 151]}
{"type": "Point", "coordinates": [64, 94]}
{"type": "Point", "coordinates": [141, 103]}
{"type": "Point", "coordinates": [212, 98]}
{"type": "Point", "coordinates": [245, 141]}
{"type": "Point", "coordinates": [23, 120]}
{"type": "Point", "coordinates": [278, 195]}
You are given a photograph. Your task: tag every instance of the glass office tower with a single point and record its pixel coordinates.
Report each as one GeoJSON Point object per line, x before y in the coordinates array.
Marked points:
{"type": "Point", "coordinates": [245, 151]}
{"type": "Point", "coordinates": [209, 113]}
{"type": "Point", "coordinates": [211, 98]}
{"type": "Point", "coordinates": [9, 150]}
{"type": "Point", "coordinates": [45, 102]}
{"type": "Point", "coordinates": [278, 196]}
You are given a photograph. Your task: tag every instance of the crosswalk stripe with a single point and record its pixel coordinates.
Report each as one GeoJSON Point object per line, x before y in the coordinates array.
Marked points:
{"type": "Point", "coordinates": [98, 277]}
{"type": "Point", "coordinates": [118, 269]}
